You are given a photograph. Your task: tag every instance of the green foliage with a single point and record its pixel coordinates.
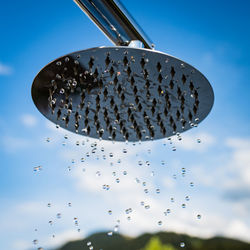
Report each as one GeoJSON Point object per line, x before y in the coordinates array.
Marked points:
{"type": "Point", "coordinates": [155, 244]}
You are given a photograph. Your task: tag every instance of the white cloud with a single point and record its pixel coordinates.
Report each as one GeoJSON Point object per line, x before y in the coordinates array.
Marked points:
{"type": "Point", "coordinates": [4, 69]}
{"type": "Point", "coordinates": [11, 143]}
{"type": "Point", "coordinates": [28, 120]}
{"type": "Point", "coordinates": [239, 163]}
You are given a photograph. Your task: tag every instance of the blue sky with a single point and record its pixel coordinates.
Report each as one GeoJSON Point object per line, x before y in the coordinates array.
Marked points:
{"type": "Point", "coordinates": [210, 35]}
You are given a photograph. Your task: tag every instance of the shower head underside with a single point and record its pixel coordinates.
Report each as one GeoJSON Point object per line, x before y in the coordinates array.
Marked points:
{"type": "Point", "coordinates": [122, 93]}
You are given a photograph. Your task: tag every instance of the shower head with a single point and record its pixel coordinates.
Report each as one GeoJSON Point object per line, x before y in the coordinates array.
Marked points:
{"type": "Point", "coordinates": [129, 92]}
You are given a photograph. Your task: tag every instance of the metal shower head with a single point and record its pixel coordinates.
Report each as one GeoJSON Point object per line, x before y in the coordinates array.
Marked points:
{"type": "Point", "coordinates": [129, 92]}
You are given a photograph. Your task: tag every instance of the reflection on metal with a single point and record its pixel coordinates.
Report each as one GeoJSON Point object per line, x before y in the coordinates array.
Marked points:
{"type": "Point", "coordinates": [122, 93]}
{"type": "Point", "coordinates": [115, 21]}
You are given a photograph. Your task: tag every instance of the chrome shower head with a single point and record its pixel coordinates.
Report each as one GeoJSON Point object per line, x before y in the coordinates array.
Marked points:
{"type": "Point", "coordinates": [121, 93]}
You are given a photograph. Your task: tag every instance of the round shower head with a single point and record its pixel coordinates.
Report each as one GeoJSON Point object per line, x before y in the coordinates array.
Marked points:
{"type": "Point", "coordinates": [122, 93]}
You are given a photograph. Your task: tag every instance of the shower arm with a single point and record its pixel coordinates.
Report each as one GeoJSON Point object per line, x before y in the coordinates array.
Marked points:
{"type": "Point", "coordinates": [115, 22]}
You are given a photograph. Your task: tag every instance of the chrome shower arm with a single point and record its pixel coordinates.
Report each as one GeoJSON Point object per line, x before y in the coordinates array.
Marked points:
{"type": "Point", "coordinates": [113, 19]}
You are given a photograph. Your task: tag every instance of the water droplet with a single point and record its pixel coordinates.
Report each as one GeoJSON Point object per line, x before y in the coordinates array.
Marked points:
{"type": "Point", "coordinates": [147, 207]}
{"type": "Point", "coordinates": [198, 216]}
{"type": "Point", "coordinates": [59, 216]}
{"type": "Point", "coordinates": [110, 212]}
{"type": "Point", "coordinates": [191, 184]}
{"type": "Point", "coordinates": [128, 218]}
{"type": "Point", "coordinates": [187, 198]}
{"type": "Point", "coordinates": [37, 168]}
{"type": "Point", "coordinates": [158, 191]}
{"type": "Point", "coordinates": [145, 190]}
{"type": "Point", "coordinates": [160, 223]}
{"type": "Point", "coordinates": [125, 173]}
{"type": "Point", "coordinates": [168, 211]}
{"type": "Point", "coordinates": [182, 244]}
{"type": "Point", "coordinates": [174, 176]}
{"type": "Point", "coordinates": [51, 222]}
{"type": "Point", "coordinates": [35, 242]}
{"type": "Point", "coordinates": [173, 148]}
{"type": "Point", "coordinates": [172, 199]}
{"type": "Point", "coordinates": [40, 248]}
{"type": "Point", "coordinates": [47, 139]}
{"type": "Point", "coordinates": [69, 204]}
{"type": "Point", "coordinates": [111, 155]}
{"type": "Point", "coordinates": [62, 91]}
{"type": "Point", "coordinates": [82, 159]}
{"type": "Point", "coordinates": [110, 233]}
{"type": "Point", "coordinates": [116, 228]}
{"type": "Point", "coordinates": [183, 205]}
{"type": "Point", "coordinates": [198, 140]}
{"type": "Point", "coordinates": [140, 163]}
{"type": "Point", "coordinates": [49, 205]}
{"type": "Point", "coordinates": [144, 184]}
{"type": "Point", "coordinates": [124, 151]}
{"type": "Point", "coordinates": [137, 180]}
{"type": "Point", "coordinates": [89, 243]}
{"type": "Point", "coordinates": [152, 173]}
{"type": "Point", "coordinates": [98, 173]}
{"type": "Point", "coordinates": [66, 137]}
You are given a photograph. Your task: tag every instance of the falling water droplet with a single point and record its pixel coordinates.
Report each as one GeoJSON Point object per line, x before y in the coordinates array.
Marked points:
{"type": "Point", "coordinates": [37, 168]}
{"type": "Point", "coordinates": [182, 244]}
{"type": "Point", "coordinates": [116, 228]}
{"type": "Point", "coordinates": [110, 233]}
{"type": "Point", "coordinates": [35, 242]}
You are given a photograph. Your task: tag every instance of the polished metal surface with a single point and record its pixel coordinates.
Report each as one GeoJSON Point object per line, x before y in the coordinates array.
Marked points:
{"type": "Point", "coordinates": [114, 20]}
{"type": "Point", "coordinates": [122, 93]}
